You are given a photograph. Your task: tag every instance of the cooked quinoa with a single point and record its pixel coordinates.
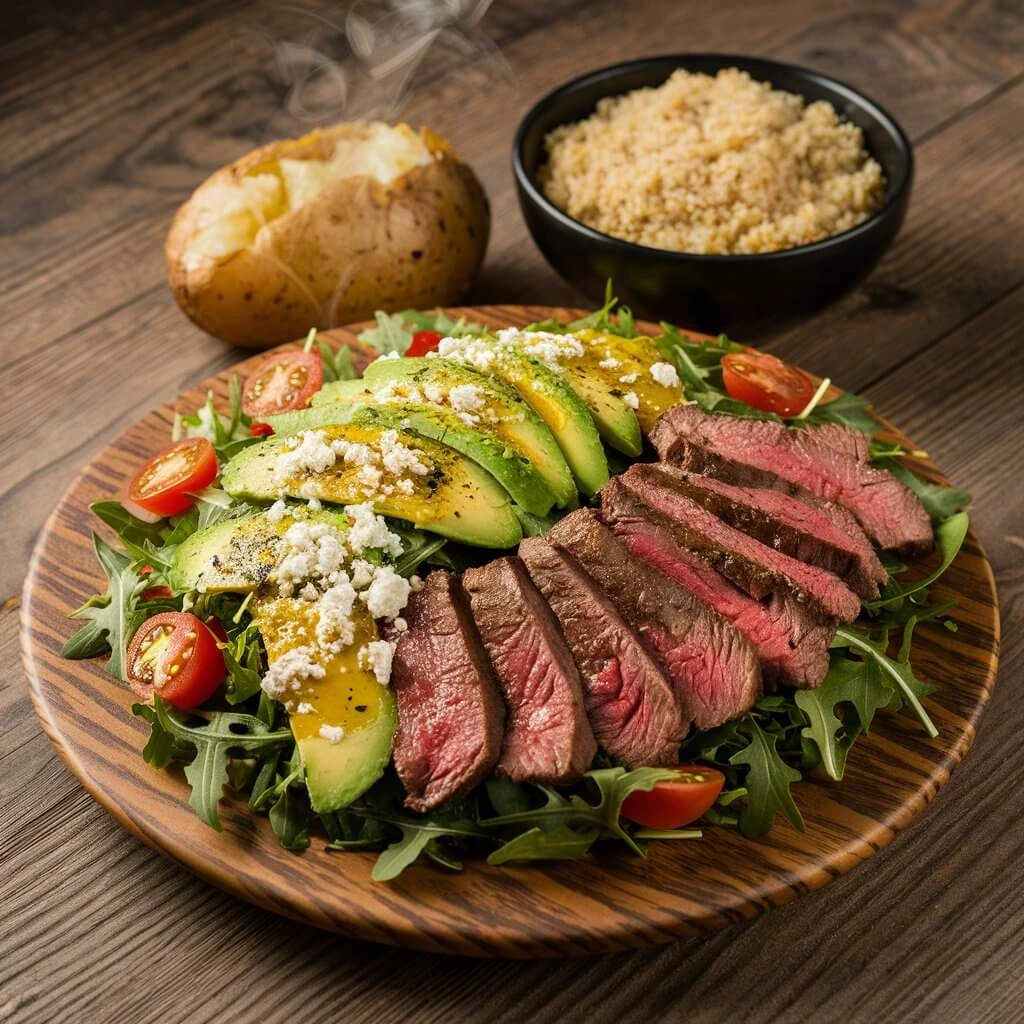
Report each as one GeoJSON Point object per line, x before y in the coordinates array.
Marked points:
{"type": "Point", "coordinates": [718, 164]}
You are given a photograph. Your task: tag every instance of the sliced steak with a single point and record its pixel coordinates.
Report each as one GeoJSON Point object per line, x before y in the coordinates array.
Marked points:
{"type": "Point", "coordinates": [751, 565]}
{"type": "Point", "coordinates": [547, 735]}
{"type": "Point", "coordinates": [828, 461]}
{"type": "Point", "coordinates": [713, 667]}
{"type": "Point", "coordinates": [812, 530]}
{"type": "Point", "coordinates": [450, 713]}
{"type": "Point", "coordinates": [630, 702]}
{"type": "Point", "coordinates": [790, 639]}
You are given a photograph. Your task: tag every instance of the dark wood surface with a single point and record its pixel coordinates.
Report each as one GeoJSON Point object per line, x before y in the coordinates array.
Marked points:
{"type": "Point", "coordinates": [111, 112]}
{"type": "Point", "coordinates": [603, 904]}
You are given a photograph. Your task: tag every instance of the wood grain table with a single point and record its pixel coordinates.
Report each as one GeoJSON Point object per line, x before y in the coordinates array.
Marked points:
{"type": "Point", "coordinates": [110, 113]}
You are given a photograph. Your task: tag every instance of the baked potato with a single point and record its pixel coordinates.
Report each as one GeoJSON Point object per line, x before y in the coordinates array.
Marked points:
{"type": "Point", "coordinates": [326, 229]}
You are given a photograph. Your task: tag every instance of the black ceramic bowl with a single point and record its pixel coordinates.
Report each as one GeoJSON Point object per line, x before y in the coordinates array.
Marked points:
{"type": "Point", "coordinates": [711, 292]}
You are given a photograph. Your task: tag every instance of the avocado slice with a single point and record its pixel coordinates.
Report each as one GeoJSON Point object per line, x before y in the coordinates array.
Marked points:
{"type": "Point", "coordinates": [625, 366]}
{"type": "Point", "coordinates": [355, 403]}
{"type": "Point", "coordinates": [547, 393]}
{"type": "Point", "coordinates": [347, 698]}
{"type": "Point", "coordinates": [234, 554]}
{"type": "Point", "coordinates": [453, 497]}
{"type": "Point", "coordinates": [497, 408]}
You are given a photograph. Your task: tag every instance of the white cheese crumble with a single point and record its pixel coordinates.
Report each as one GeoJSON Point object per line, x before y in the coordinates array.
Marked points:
{"type": "Point", "coordinates": [481, 355]}
{"type": "Point", "coordinates": [290, 671]}
{"type": "Point", "coordinates": [665, 374]}
{"type": "Point", "coordinates": [376, 657]}
{"type": "Point", "coordinates": [332, 733]}
{"type": "Point", "coordinates": [335, 629]}
{"type": "Point", "coordinates": [631, 400]}
{"type": "Point", "coordinates": [611, 363]}
{"type": "Point", "coordinates": [550, 349]}
{"type": "Point", "coordinates": [309, 453]}
{"type": "Point", "coordinates": [398, 457]}
{"type": "Point", "coordinates": [466, 397]}
{"type": "Point", "coordinates": [277, 512]}
{"type": "Point", "coordinates": [366, 529]}
{"type": "Point", "coordinates": [387, 595]}
{"type": "Point", "coordinates": [305, 708]}
{"type": "Point", "coordinates": [629, 378]}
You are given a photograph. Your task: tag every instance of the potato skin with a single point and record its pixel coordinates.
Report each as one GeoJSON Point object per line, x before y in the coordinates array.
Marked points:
{"type": "Point", "coordinates": [357, 247]}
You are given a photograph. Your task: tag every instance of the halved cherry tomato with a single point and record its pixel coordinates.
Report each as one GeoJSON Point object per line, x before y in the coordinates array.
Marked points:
{"type": "Point", "coordinates": [258, 429]}
{"type": "Point", "coordinates": [769, 384]}
{"type": "Point", "coordinates": [283, 381]}
{"type": "Point", "coordinates": [157, 592]}
{"type": "Point", "coordinates": [675, 804]}
{"type": "Point", "coordinates": [216, 627]}
{"type": "Point", "coordinates": [175, 655]}
{"type": "Point", "coordinates": [165, 484]}
{"type": "Point", "coordinates": [424, 342]}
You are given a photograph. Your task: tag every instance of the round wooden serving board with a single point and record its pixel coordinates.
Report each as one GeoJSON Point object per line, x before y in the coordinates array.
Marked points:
{"type": "Point", "coordinates": [610, 901]}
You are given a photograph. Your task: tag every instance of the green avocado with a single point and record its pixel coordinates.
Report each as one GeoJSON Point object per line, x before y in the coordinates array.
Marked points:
{"type": "Point", "coordinates": [451, 496]}
{"type": "Point", "coordinates": [234, 554]}
{"type": "Point", "coordinates": [510, 467]}
{"type": "Point", "coordinates": [347, 699]}
{"type": "Point", "coordinates": [496, 409]}
{"type": "Point", "coordinates": [548, 394]}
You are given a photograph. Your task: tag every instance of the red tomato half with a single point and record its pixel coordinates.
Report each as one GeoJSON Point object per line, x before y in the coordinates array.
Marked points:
{"type": "Point", "coordinates": [424, 342]}
{"type": "Point", "coordinates": [675, 804]}
{"type": "Point", "coordinates": [165, 484]}
{"type": "Point", "coordinates": [175, 655]}
{"type": "Point", "coordinates": [283, 381]}
{"type": "Point", "coordinates": [767, 383]}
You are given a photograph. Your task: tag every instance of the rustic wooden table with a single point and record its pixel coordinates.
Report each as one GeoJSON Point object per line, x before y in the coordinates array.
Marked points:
{"type": "Point", "coordinates": [110, 113]}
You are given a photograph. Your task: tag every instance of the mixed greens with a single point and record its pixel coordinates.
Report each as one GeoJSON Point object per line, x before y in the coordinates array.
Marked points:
{"type": "Point", "coordinates": [241, 739]}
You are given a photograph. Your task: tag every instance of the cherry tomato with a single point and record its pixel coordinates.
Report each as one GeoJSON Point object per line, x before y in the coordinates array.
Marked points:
{"type": "Point", "coordinates": [175, 655]}
{"type": "Point", "coordinates": [424, 342]}
{"type": "Point", "coordinates": [258, 429]}
{"type": "Point", "coordinates": [675, 804]}
{"type": "Point", "coordinates": [216, 627]}
{"type": "Point", "coordinates": [165, 485]}
{"type": "Point", "coordinates": [157, 592]}
{"type": "Point", "coordinates": [283, 381]}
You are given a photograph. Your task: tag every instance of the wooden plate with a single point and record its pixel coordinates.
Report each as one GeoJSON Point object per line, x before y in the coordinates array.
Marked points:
{"type": "Point", "coordinates": [610, 901]}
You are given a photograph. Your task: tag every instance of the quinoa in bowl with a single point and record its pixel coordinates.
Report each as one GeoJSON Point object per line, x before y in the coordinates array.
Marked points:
{"type": "Point", "coordinates": [713, 164]}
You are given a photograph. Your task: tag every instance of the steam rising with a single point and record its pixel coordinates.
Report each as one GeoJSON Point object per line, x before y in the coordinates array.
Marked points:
{"type": "Point", "coordinates": [368, 61]}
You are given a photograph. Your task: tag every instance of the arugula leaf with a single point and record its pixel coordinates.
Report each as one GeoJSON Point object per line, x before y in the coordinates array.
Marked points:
{"type": "Point", "coordinates": [416, 834]}
{"type": "Point", "coordinates": [114, 616]}
{"type": "Point", "coordinates": [860, 688]}
{"type": "Point", "coordinates": [558, 843]}
{"type": "Point", "coordinates": [211, 743]}
{"type": "Point", "coordinates": [243, 660]}
{"type": "Point", "coordinates": [939, 501]}
{"type": "Point", "coordinates": [439, 321]}
{"type": "Point", "coordinates": [289, 818]}
{"type": "Point", "coordinates": [228, 434]}
{"type": "Point", "coordinates": [391, 336]}
{"type": "Point", "coordinates": [949, 537]}
{"type": "Point", "coordinates": [336, 362]}
{"type": "Point", "coordinates": [768, 780]}
{"type": "Point", "coordinates": [896, 672]}
{"type": "Point", "coordinates": [848, 410]}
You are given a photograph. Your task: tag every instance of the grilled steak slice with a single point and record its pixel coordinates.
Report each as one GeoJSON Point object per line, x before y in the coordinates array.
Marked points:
{"type": "Point", "coordinates": [547, 735]}
{"type": "Point", "coordinates": [449, 710]}
{"type": "Point", "coordinates": [714, 669]}
{"type": "Point", "coordinates": [790, 639]}
{"type": "Point", "coordinates": [828, 461]}
{"type": "Point", "coordinates": [814, 531]}
{"type": "Point", "coordinates": [751, 565]}
{"type": "Point", "coordinates": [630, 703]}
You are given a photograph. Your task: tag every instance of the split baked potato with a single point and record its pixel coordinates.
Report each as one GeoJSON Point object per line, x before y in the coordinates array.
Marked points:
{"type": "Point", "coordinates": [326, 229]}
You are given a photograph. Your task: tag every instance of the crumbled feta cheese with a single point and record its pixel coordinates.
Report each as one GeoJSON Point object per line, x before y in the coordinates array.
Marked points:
{"type": "Point", "coordinates": [389, 355]}
{"type": "Point", "coordinates": [550, 349]}
{"type": "Point", "coordinates": [405, 486]}
{"type": "Point", "coordinates": [376, 657]}
{"type": "Point", "coordinates": [332, 733]}
{"type": "Point", "coordinates": [398, 457]}
{"type": "Point", "coordinates": [307, 452]}
{"type": "Point", "coordinates": [308, 552]}
{"type": "Point", "coordinates": [387, 595]}
{"type": "Point", "coordinates": [277, 512]}
{"type": "Point", "coordinates": [611, 363]}
{"type": "Point", "coordinates": [290, 671]}
{"type": "Point", "coordinates": [315, 505]}
{"type": "Point", "coordinates": [481, 355]}
{"type": "Point", "coordinates": [629, 378]}
{"type": "Point", "coordinates": [415, 584]}
{"type": "Point", "coordinates": [369, 478]}
{"type": "Point", "coordinates": [335, 629]}
{"type": "Point", "coordinates": [355, 452]}
{"type": "Point", "coordinates": [368, 530]}
{"type": "Point", "coordinates": [466, 397]}
{"type": "Point", "coordinates": [631, 400]}
{"type": "Point", "coordinates": [305, 708]}
{"type": "Point", "coordinates": [400, 625]}
{"type": "Point", "coordinates": [361, 573]}
{"type": "Point", "coordinates": [434, 394]}
{"type": "Point", "coordinates": [665, 374]}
